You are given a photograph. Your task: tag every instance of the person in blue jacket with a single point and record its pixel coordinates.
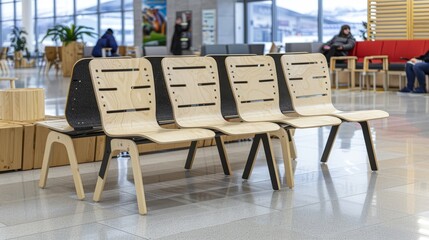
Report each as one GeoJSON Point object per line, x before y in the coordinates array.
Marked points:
{"type": "Point", "coordinates": [106, 41]}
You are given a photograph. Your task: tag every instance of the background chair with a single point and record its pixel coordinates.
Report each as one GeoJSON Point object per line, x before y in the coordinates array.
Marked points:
{"type": "Point", "coordinates": [309, 85]}
{"type": "Point", "coordinates": [193, 87]}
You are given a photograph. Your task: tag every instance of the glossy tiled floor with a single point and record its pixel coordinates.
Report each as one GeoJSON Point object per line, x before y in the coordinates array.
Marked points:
{"type": "Point", "coordinates": [340, 200]}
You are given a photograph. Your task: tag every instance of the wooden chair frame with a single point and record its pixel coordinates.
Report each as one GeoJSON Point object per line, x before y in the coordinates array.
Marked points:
{"type": "Point", "coordinates": [309, 84]}
{"type": "Point", "coordinates": [126, 100]}
{"type": "Point", "coordinates": [253, 81]}
{"type": "Point", "coordinates": [193, 87]}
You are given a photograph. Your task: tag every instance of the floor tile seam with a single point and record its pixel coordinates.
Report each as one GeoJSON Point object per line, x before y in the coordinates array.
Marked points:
{"type": "Point", "coordinates": [383, 223]}
{"type": "Point", "coordinates": [121, 230]}
{"type": "Point", "coordinates": [377, 207]}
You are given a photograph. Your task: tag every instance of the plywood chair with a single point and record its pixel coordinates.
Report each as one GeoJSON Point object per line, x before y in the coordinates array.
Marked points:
{"type": "Point", "coordinates": [5, 73]}
{"type": "Point", "coordinates": [307, 78]}
{"type": "Point", "coordinates": [193, 87]}
{"type": "Point", "coordinates": [82, 120]}
{"type": "Point", "coordinates": [126, 99]}
{"type": "Point", "coordinates": [253, 81]}
{"type": "Point", "coordinates": [52, 58]}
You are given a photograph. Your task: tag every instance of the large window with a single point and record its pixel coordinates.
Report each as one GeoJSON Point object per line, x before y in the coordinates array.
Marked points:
{"type": "Point", "coordinates": [336, 13]}
{"type": "Point", "coordinates": [259, 24]}
{"type": "Point", "coordinates": [98, 14]}
{"type": "Point", "coordinates": [10, 15]}
{"type": "Point", "coordinates": [299, 21]}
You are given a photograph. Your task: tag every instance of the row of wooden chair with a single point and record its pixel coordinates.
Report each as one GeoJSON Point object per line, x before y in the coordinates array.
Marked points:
{"type": "Point", "coordinates": [125, 94]}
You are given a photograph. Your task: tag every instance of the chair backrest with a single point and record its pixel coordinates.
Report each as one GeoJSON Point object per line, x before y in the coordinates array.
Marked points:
{"type": "Point", "coordinates": [298, 47]}
{"type": "Point", "coordinates": [258, 49]}
{"type": "Point", "coordinates": [125, 94]}
{"type": "Point", "coordinates": [81, 106]}
{"type": "Point", "coordinates": [213, 49]}
{"type": "Point", "coordinates": [87, 51]}
{"type": "Point", "coordinates": [193, 87]}
{"type": "Point", "coordinates": [367, 48]}
{"type": "Point", "coordinates": [309, 84]}
{"type": "Point", "coordinates": [253, 80]}
{"type": "Point", "coordinates": [228, 106]}
{"type": "Point", "coordinates": [285, 101]}
{"type": "Point", "coordinates": [3, 54]}
{"type": "Point", "coordinates": [238, 49]}
{"type": "Point", "coordinates": [155, 51]}
{"type": "Point", "coordinates": [164, 111]}
{"type": "Point", "coordinates": [408, 49]}
{"type": "Point", "coordinates": [51, 53]}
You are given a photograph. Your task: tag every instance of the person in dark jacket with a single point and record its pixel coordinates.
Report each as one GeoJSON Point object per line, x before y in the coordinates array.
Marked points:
{"type": "Point", "coordinates": [176, 44]}
{"type": "Point", "coordinates": [416, 67]}
{"type": "Point", "coordinates": [340, 44]}
{"type": "Point", "coordinates": [106, 41]}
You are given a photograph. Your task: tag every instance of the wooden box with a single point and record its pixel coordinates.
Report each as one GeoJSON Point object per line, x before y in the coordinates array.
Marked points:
{"type": "Point", "coordinates": [10, 146]}
{"type": "Point", "coordinates": [85, 149]}
{"type": "Point", "coordinates": [22, 104]}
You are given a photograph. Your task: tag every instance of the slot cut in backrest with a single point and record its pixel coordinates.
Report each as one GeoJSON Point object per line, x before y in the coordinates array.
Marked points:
{"type": "Point", "coordinates": [307, 78]}
{"type": "Point", "coordinates": [125, 93]}
{"type": "Point", "coordinates": [253, 80]}
{"type": "Point", "coordinates": [193, 86]}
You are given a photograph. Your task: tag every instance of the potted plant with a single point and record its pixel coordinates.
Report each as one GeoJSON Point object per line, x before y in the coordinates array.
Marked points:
{"type": "Point", "coordinates": [19, 44]}
{"type": "Point", "coordinates": [68, 34]}
{"type": "Point", "coordinates": [72, 50]}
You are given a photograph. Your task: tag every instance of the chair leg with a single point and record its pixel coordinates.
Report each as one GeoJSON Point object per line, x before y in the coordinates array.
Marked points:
{"type": "Point", "coordinates": [361, 81]}
{"type": "Point", "coordinates": [386, 81]}
{"type": "Point", "coordinates": [131, 147]}
{"type": "Point", "coordinates": [369, 145]}
{"type": "Point", "coordinates": [46, 160]}
{"type": "Point", "coordinates": [102, 174]}
{"type": "Point", "coordinates": [223, 155]}
{"type": "Point", "coordinates": [292, 146]}
{"type": "Point", "coordinates": [191, 155]}
{"type": "Point", "coordinates": [251, 158]}
{"type": "Point", "coordinates": [287, 160]}
{"type": "Point", "coordinates": [68, 144]}
{"type": "Point", "coordinates": [271, 162]}
{"type": "Point", "coordinates": [329, 143]}
{"type": "Point", "coordinates": [337, 80]}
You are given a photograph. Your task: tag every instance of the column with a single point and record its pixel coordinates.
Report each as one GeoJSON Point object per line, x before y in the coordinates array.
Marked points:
{"type": "Point", "coordinates": [27, 22]}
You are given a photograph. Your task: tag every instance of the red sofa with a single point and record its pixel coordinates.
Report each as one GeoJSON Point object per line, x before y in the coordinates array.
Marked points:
{"type": "Point", "coordinates": [386, 56]}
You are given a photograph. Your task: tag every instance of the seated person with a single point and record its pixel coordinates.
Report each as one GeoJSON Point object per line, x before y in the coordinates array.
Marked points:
{"type": "Point", "coordinates": [340, 44]}
{"type": "Point", "coordinates": [106, 41]}
{"type": "Point", "coordinates": [416, 67]}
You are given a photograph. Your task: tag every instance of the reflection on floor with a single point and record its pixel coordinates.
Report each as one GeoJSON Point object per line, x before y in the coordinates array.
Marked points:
{"type": "Point", "coordinates": [340, 200]}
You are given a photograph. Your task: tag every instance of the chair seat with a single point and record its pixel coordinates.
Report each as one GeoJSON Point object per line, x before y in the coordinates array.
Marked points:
{"type": "Point", "coordinates": [164, 135]}
{"type": "Point", "coordinates": [294, 120]}
{"type": "Point", "coordinates": [314, 121]}
{"type": "Point", "coordinates": [237, 128]}
{"type": "Point", "coordinates": [231, 128]}
{"type": "Point", "coordinates": [59, 125]}
{"type": "Point", "coordinates": [359, 116]}
{"type": "Point", "coordinates": [396, 66]}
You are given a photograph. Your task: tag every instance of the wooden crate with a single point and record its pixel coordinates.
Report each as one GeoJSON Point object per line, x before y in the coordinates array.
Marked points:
{"type": "Point", "coordinates": [85, 149]}
{"type": "Point", "coordinates": [22, 104]}
{"type": "Point", "coordinates": [28, 143]}
{"type": "Point", "coordinates": [10, 146]}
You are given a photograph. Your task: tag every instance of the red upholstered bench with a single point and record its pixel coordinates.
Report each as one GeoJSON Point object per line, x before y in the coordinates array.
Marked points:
{"type": "Point", "coordinates": [386, 56]}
